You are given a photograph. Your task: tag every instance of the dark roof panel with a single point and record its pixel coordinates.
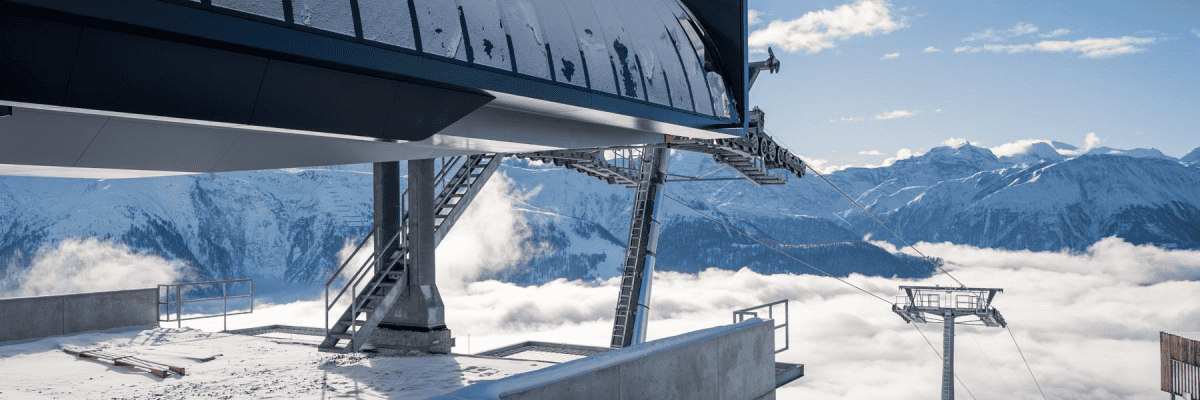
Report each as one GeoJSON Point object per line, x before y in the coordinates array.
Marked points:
{"type": "Point", "coordinates": [651, 50]}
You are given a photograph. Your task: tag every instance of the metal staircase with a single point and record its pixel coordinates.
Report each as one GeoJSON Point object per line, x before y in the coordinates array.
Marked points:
{"type": "Point", "coordinates": [379, 281]}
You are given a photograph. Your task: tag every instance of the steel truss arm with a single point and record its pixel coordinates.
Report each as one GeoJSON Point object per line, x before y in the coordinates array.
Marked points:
{"type": "Point", "coordinates": [752, 156]}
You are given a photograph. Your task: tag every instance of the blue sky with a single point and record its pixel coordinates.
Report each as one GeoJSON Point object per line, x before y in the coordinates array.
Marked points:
{"type": "Point", "coordinates": [864, 77]}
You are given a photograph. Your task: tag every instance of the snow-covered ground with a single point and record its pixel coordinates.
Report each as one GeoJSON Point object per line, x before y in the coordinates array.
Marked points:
{"type": "Point", "coordinates": [246, 367]}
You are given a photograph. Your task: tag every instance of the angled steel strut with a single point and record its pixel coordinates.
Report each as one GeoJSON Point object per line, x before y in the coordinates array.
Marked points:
{"type": "Point", "coordinates": [752, 156]}
{"type": "Point", "coordinates": [633, 303]}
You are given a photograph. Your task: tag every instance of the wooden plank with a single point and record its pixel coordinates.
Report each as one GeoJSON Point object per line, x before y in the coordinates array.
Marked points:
{"type": "Point", "coordinates": [1165, 361]}
{"type": "Point", "coordinates": [157, 369]}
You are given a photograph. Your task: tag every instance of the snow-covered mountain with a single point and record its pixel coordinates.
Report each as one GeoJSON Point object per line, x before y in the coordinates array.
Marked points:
{"type": "Point", "coordinates": [286, 226]}
{"type": "Point", "coordinates": [278, 226]}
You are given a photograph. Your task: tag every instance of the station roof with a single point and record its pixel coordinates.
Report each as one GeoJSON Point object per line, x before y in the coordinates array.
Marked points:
{"type": "Point", "coordinates": [413, 79]}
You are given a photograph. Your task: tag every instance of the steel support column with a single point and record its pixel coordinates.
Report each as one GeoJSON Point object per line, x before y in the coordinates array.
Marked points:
{"type": "Point", "coordinates": [387, 205]}
{"type": "Point", "coordinates": [633, 302]}
{"type": "Point", "coordinates": [948, 356]}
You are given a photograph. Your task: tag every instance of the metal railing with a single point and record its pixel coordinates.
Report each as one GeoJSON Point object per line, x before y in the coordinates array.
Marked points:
{"type": "Point", "coordinates": [363, 275]}
{"type": "Point", "coordinates": [165, 299]}
{"type": "Point", "coordinates": [965, 301]}
{"type": "Point", "coordinates": [752, 312]}
{"type": "Point", "coordinates": [361, 280]}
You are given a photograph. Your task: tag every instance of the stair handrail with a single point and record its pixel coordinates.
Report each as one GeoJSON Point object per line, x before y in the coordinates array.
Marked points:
{"type": "Point", "coordinates": [359, 300]}
{"type": "Point", "coordinates": [355, 279]}
{"type": "Point", "coordinates": [362, 242]}
{"type": "Point", "coordinates": [374, 257]}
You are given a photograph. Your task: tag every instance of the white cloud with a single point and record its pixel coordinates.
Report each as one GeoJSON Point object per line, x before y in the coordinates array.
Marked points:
{"type": "Point", "coordinates": [956, 142]}
{"type": "Point", "coordinates": [1014, 148]}
{"type": "Point", "coordinates": [1098, 48]}
{"type": "Point", "coordinates": [895, 114]}
{"type": "Point", "coordinates": [817, 30]}
{"type": "Point", "coordinates": [871, 153]}
{"type": "Point", "coordinates": [931, 49]}
{"type": "Point", "coordinates": [988, 34]}
{"type": "Point", "coordinates": [84, 266]}
{"type": "Point", "coordinates": [937, 110]}
{"type": "Point", "coordinates": [1022, 28]}
{"type": "Point", "coordinates": [753, 17]}
{"type": "Point", "coordinates": [890, 56]}
{"type": "Point", "coordinates": [488, 237]}
{"type": "Point", "coordinates": [992, 35]}
{"type": "Point", "coordinates": [822, 165]}
{"type": "Point", "coordinates": [902, 154]}
{"type": "Point", "coordinates": [1196, 32]}
{"type": "Point", "coordinates": [1090, 141]}
{"type": "Point", "coordinates": [1056, 33]}
{"type": "Point", "coordinates": [846, 119]}
{"type": "Point", "coordinates": [1069, 311]}
{"type": "Point", "coordinates": [1072, 313]}
{"type": "Point", "coordinates": [1090, 47]}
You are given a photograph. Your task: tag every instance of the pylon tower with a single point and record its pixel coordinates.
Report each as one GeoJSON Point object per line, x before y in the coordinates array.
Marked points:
{"type": "Point", "coordinates": [926, 304]}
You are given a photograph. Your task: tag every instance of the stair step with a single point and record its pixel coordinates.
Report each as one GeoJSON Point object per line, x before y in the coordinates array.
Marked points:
{"type": "Point", "coordinates": [358, 322]}
{"type": "Point", "coordinates": [331, 349]}
{"type": "Point", "coordinates": [341, 335]}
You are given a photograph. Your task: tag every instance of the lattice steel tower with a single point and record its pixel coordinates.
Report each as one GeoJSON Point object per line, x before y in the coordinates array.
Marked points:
{"type": "Point", "coordinates": [926, 304]}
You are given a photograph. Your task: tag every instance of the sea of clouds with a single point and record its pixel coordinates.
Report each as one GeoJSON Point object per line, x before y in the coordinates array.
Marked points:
{"type": "Point", "coordinates": [1088, 321]}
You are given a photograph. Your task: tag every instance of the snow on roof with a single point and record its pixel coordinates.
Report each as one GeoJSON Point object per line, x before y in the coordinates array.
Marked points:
{"type": "Point", "coordinates": [279, 367]}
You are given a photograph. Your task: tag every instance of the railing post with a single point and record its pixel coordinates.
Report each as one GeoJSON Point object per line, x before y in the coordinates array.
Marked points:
{"type": "Point", "coordinates": [326, 308]}
{"type": "Point", "coordinates": [787, 332]}
{"type": "Point", "coordinates": [224, 308]}
{"type": "Point", "coordinates": [179, 305]}
{"type": "Point", "coordinates": [158, 307]}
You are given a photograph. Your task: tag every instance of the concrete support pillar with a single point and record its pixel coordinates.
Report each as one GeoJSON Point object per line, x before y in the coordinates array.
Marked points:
{"type": "Point", "coordinates": [418, 319]}
{"type": "Point", "coordinates": [948, 357]}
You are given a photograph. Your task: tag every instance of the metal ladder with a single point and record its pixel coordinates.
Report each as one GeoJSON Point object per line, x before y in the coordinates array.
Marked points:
{"type": "Point", "coordinates": [383, 279]}
{"type": "Point", "coordinates": [631, 272]}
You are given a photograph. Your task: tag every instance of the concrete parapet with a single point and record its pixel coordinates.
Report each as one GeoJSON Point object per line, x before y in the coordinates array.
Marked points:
{"type": "Point", "coordinates": [734, 362]}
{"type": "Point", "coordinates": [31, 317]}
{"type": "Point", "coordinates": [36, 317]}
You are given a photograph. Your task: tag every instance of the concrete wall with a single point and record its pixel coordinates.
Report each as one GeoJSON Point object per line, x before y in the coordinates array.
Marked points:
{"type": "Point", "coordinates": [36, 317]}
{"type": "Point", "coordinates": [735, 362]}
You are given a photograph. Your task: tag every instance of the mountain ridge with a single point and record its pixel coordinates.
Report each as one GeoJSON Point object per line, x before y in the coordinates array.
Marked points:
{"type": "Point", "coordinates": [287, 226]}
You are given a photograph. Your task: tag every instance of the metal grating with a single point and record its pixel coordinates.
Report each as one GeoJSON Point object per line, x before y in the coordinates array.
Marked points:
{"type": "Point", "coordinates": [544, 351]}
